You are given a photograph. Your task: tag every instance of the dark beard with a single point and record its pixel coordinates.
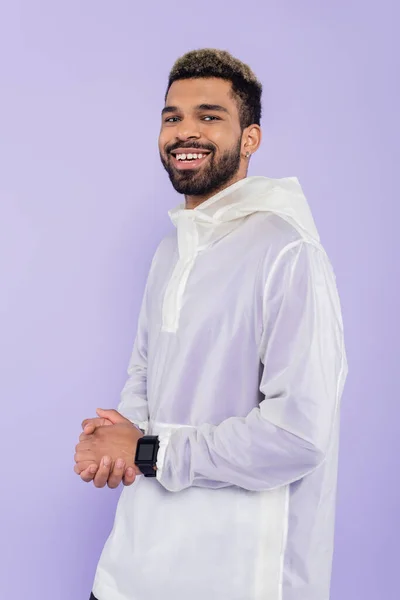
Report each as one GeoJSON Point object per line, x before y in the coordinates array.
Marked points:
{"type": "Point", "coordinates": [208, 180]}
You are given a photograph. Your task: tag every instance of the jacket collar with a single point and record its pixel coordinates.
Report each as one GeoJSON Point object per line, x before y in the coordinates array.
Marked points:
{"type": "Point", "coordinates": [219, 215]}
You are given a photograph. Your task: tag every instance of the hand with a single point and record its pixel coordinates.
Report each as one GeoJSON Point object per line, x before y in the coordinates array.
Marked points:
{"type": "Point", "coordinates": [87, 469]}
{"type": "Point", "coordinates": [106, 417]}
{"type": "Point", "coordinates": [117, 444]}
{"type": "Point", "coordinates": [107, 470]}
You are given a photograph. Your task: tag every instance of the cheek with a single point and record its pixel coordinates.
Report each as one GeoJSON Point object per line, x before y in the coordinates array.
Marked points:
{"type": "Point", "coordinates": [163, 140]}
{"type": "Point", "coordinates": [221, 138]}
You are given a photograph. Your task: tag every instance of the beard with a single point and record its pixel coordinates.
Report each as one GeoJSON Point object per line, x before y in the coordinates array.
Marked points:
{"type": "Point", "coordinates": [209, 178]}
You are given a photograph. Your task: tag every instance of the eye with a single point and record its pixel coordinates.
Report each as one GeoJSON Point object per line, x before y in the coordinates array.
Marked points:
{"type": "Point", "coordinates": [171, 119]}
{"type": "Point", "coordinates": [211, 118]}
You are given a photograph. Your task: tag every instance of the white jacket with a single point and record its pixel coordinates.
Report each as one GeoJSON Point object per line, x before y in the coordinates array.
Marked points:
{"type": "Point", "coordinates": [239, 366]}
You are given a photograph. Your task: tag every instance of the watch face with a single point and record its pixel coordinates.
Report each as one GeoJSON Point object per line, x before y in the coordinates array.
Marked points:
{"type": "Point", "coordinates": [145, 452]}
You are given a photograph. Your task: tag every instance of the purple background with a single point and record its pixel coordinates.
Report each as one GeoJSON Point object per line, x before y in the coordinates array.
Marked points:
{"type": "Point", "coordinates": [83, 203]}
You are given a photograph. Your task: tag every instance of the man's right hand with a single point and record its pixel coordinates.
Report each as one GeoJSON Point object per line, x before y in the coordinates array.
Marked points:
{"type": "Point", "coordinates": [102, 473]}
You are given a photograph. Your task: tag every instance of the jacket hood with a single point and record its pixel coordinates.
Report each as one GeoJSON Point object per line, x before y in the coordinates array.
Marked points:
{"type": "Point", "coordinates": [225, 210]}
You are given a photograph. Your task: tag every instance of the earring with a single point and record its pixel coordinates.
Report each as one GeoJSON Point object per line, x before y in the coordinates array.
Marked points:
{"type": "Point", "coordinates": [247, 155]}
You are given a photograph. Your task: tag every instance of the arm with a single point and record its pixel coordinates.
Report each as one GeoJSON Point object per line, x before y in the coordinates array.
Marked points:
{"type": "Point", "coordinates": [288, 434]}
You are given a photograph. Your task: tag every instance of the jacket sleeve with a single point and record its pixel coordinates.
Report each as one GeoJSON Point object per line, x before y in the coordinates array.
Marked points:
{"type": "Point", "coordinates": [133, 403]}
{"type": "Point", "coordinates": [302, 352]}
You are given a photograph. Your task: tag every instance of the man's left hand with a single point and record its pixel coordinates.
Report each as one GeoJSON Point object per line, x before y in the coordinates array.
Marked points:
{"type": "Point", "coordinates": [113, 442]}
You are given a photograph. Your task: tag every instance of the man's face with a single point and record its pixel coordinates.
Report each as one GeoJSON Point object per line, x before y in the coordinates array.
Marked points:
{"type": "Point", "coordinates": [200, 118]}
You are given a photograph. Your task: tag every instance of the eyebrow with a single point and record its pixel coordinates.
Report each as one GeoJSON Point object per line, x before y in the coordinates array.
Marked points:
{"type": "Point", "coordinates": [210, 107]}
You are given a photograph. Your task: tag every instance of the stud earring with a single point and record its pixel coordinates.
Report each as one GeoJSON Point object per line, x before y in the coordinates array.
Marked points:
{"type": "Point", "coordinates": [247, 154]}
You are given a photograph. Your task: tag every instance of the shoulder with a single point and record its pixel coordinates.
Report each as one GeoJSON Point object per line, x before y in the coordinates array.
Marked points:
{"type": "Point", "coordinates": [302, 271]}
{"type": "Point", "coordinates": [289, 251]}
{"type": "Point", "coordinates": [273, 233]}
{"type": "Point", "coordinates": [282, 244]}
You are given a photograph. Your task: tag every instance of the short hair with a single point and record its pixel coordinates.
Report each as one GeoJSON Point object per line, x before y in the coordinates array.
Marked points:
{"type": "Point", "coordinates": [210, 62]}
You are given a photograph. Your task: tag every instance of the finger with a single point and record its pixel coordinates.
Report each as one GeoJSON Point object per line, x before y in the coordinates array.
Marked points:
{"type": "Point", "coordinates": [82, 466]}
{"type": "Point", "coordinates": [85, 446]}
{"type": "Point", "coordinates": [89, 428]}
{"type": "Point", "coordinates": [85, 437]}
{"type": "Point", "coordinates": [103, 472]}
{"type": "Point", "coordinates": [84, 456]}
{"type": "Point", "coordinates": [117, 474]}
{"type": "Point", "coordinates": [112, 415]}
{"type": "Point", "coordinates": [88, 474]}
{"type": "Point", "coordinates": [129, 476]}
{"type": "Point", "coordinates": [93, 423]}
{"type": "Point", "coordinates": [82, 446]}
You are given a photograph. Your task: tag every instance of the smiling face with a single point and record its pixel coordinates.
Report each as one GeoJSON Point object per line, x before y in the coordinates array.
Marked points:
{"type": "Point", "coordinates": [201, 142]}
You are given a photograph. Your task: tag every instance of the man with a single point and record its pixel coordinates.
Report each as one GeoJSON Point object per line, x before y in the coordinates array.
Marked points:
{"type": "Point", "coordinates": [235, 378]}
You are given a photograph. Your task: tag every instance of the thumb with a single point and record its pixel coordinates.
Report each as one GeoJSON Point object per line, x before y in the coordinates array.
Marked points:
{"type": "Point", "coordinates": [112, 415]}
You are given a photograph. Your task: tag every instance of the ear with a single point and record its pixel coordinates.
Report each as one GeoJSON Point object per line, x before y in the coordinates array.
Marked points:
{"type": "Point", "coordinates": [251, 140]}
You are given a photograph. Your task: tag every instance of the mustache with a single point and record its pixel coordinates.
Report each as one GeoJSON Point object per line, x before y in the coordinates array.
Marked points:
{"type": "Point", "coordinates": [196, 145]}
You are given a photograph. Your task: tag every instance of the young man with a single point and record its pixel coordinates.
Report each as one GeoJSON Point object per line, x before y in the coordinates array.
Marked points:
{"type": "Point", "coordinates": [235, 377]}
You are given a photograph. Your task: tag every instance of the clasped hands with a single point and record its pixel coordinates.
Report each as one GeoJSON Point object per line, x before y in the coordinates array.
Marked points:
{"type": "Point", "coordinates": [106, 450]}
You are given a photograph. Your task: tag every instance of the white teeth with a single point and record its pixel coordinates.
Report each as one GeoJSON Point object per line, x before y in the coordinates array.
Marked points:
{"type": "Point", "coordinates": [190, 156]}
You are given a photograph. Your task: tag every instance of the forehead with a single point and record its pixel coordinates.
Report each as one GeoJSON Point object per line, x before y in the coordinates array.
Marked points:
{"type": "Point", "coordinates": [189, 93]}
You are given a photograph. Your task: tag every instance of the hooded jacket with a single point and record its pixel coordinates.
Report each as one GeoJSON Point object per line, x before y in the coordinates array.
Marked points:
{"type": "Point", "coordinates": [238, 366]}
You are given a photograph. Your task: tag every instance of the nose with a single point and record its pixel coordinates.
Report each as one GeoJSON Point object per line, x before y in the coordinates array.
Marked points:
{"type": "Point", "coordinates": [187, 129]}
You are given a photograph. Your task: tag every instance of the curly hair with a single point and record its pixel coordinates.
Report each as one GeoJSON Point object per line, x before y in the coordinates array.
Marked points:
{"type": "Point", "coordinates": [210, 62]}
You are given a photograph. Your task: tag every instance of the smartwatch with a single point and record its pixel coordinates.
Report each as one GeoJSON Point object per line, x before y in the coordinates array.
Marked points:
{"type": "Point", "coordinates": [146, 455]}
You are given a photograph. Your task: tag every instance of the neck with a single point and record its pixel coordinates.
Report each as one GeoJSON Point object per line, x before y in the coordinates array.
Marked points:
{"type": "Point", "coordinates": [194, 201]}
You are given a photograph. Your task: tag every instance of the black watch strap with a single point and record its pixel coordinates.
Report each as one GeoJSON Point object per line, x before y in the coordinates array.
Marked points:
{"type": "Point", "coordinates": [146, 454]}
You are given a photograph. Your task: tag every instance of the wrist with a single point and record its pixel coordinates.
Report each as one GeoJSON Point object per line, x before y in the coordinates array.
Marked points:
{"type": "Point", "coordinates": [146, 455]}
